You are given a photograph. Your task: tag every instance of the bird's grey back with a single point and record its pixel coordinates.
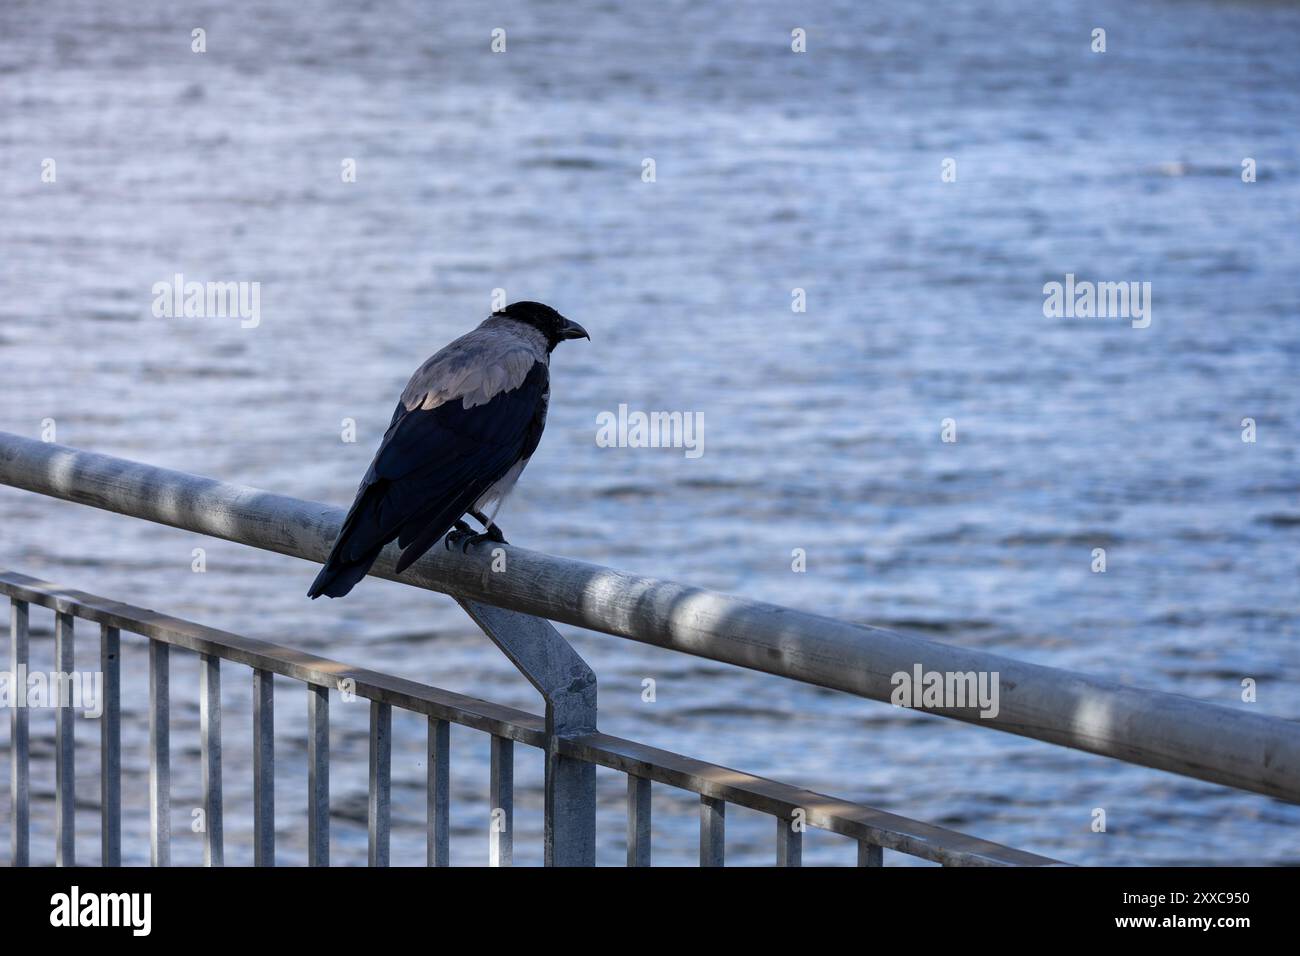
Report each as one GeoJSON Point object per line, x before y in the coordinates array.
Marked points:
{"type": "Point", "coordinates": [496, 357]}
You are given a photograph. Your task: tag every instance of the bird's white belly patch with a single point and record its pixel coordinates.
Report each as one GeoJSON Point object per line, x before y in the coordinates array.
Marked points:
{"type": "Point", "coordinates": [496, 495]}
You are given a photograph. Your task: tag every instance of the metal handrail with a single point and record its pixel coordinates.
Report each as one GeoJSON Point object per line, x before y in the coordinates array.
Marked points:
{"type": "Point", "coordinates": [1149, 728]}
{"type": "Point", "coordinates": [873, 829]}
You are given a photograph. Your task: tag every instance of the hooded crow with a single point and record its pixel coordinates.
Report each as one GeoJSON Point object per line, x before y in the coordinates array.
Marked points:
{"type": "Point", "coordinates": [466, 425]}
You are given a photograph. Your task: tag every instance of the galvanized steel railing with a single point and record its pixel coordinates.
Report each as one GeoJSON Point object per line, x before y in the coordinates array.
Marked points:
{"type": "Point", "coordinates": [1149, 728]}
{"type": "Point", "coordinates": [570, 806]}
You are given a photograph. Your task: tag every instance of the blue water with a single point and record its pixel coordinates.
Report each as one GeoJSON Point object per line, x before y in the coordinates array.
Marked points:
{"type": "Point", "coordinates": [774, 171]}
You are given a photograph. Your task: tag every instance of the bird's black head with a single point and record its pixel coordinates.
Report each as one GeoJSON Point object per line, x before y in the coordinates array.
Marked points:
{"type": "Point", "coordinates": [546, 320]}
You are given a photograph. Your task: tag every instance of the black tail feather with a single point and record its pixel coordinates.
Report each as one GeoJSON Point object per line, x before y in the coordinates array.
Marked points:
{"type": "Point", "coordinates": [340, 574]}
{"type": "Point", "coordinates": [338, 577]}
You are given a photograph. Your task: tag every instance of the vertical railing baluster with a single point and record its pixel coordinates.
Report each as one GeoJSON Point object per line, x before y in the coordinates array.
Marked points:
{"type": "Point", "coordinates": [65, 789]}
{"type": "Point", "coordinates": [439, 792]}
{"type": "Point", "coordinates": [713, 825]}
{"type": "Point", "coordinates": [318, 776]}
{"type": "Point", "coordinates": [502, 798]}
{"type": "Point", "coordinates": [381, 761]}
{"type": "Point", "coordinates": [789, 843]}
{"type": "Point", "coordinates": [870, 855]}
{"type": "Point", "coordinates": [263, 768]}
{"type": "Point", "coordinates": [638, 821]}
{"type": "Point", "coordinates": [110, 746]}
{"type": "Point", "coordinates": [19, 740]}
{"type": "Point", "coordinates": [210, 756]}
{"type": "Point", "coordinates": [160, 776]}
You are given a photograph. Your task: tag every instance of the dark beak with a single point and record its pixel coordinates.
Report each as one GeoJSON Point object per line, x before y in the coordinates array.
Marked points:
{"type": "Point", "coordinates": [572, 330]}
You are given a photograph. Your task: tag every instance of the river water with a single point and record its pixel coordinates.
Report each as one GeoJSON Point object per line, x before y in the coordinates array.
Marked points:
{"type": "Point", "coordinates": [774, 171]}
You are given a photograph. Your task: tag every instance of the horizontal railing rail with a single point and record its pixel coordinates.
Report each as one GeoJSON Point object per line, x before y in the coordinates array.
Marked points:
{"type": "Point", "coordinates": [1145, 727]}
{"type": "Point", "coordinates": [874, 830]}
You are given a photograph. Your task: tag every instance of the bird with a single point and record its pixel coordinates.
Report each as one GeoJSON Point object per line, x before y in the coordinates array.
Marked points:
{"type": "Point", "coordinates": [467, 424]}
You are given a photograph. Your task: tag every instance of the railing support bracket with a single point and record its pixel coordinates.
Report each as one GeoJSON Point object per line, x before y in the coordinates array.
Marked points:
{"type": "Point", "coordinates": [568, 687]}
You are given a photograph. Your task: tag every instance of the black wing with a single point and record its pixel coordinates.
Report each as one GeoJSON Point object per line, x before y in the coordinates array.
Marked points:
{"type": "Point", "coordinates": [430, 469]}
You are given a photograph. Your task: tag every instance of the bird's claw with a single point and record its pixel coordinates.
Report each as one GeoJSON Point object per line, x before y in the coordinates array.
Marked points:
{"type": "Point", "coordinates": [465, 536]}
{"type": "Point", "coordinates": [458, 532]}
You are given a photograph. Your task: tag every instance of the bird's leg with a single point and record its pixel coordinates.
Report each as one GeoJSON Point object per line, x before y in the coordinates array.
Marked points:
{"type": "Point", "coordinates": [459, 531]}
{"type": "Point", "coordinates": [489, 527]}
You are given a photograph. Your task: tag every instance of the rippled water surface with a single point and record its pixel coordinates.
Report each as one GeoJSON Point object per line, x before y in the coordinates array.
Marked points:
{"type": "Point", "coordinates": [775, 171]}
